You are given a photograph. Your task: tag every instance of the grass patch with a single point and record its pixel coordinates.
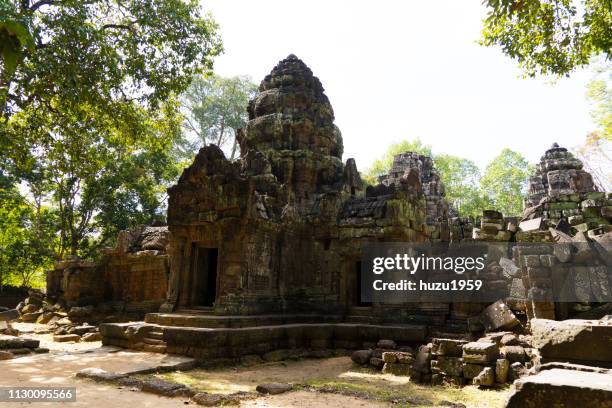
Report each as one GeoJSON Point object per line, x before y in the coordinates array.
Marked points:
{"type": "Point", "coordinates": [340, 376]}
{"type": "Point", "coordinates": [410, 394]}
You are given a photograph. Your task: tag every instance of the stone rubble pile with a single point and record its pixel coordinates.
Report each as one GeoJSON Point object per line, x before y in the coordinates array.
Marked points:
{"type": "Point", "coordinates": [15, 346]}
{"type": "Point", "coordinates": [496, 358]}
{"type": "Point", "coordinates": [461, 228]}
{"type": "Point", "coordinates": [563, 196]}
{"type": "Point", "coordinates": [67, 324]}
{"type": "Point", "coordinates": [409, 165]}
{"type": "Point", "coordinates": [571, 371]}
{"type": "Point", "coordinates": [494, 227]}
{"type": "Point", "coordinates": [387, 357]}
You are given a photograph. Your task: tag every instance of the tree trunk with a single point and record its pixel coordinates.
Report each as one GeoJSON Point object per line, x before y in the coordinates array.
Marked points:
{"type": "Point", "coordinates": [234, 149]}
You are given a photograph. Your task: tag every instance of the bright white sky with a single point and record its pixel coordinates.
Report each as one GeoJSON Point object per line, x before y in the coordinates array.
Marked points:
{"type": "Point", "coordinates": [404, 69]}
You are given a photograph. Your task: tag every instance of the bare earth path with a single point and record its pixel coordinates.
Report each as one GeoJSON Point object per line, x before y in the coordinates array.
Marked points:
{"type": "Point", "coordinates": [336, 375]}
{"type": "Point", "coordinates": [58, 368]}
{"type": "Point", "coordinates": [65, 359]}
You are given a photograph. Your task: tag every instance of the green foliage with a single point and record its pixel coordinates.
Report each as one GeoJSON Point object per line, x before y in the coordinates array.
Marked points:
{"type": "Point", "coordinates": [505, 181]}
{"type": "Point", "coordinates": [595, 151]}
{"type": "Point", "coordinates": [549, 37]}
{"type": "Point", "coordinates": [26, 238]}
{"type": "Point", "coordinates": [104, 53]}
{"type": "Point", "coordinates": [599, 94]}
{"type": "Point", "coordinates": [89, 116]}
{"type": "Point", "coordinates": [100, 175]}
{"type": "Point", "coordinates": [460, 177]}
{"type": "Point", "coordinates": [215, 107]}
{"type": "Point", "coordinates": [502, 186]}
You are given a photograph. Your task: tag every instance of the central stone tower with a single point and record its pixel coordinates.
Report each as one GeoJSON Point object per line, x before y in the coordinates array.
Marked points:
{"type": "Point", "coordinates": [281, 230]}
{"type": "Point", "coordinates": [292, 139]}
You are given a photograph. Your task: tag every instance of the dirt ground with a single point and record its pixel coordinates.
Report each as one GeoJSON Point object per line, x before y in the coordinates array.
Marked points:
{"type": "Point", "coordinates": [334, 382]}
{"type": "Point", "coordinates": [327, 383]}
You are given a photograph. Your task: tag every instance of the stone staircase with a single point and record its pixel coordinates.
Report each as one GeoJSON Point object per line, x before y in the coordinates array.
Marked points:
{"type": "Point", "coordinates": [154, 341]}
{"type": "Point", "coordinates": [205, 319]}
{"type": "Point", "coordinates": [195, 339]}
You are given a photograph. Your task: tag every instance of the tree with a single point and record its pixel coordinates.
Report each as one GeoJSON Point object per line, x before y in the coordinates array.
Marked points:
{"type": "Point", "coordinates": [549, 37]}
{"type": "Point", "coordinates": [505, 181]}
{"type": "Point", "coordinates": [88, 114]}
{"type": "Point", "coordinates": [215, 107]}
{"type": "Point", "coordinates": [100, 179]}
{"type": "Point", "coordinates": [596, 151]}
{"type": "Point", "coordinates": [101, 52]}
{"type": "Point", "coordinates": [461, 180]}
{"type": "Point", "coordinates": [26, 238]}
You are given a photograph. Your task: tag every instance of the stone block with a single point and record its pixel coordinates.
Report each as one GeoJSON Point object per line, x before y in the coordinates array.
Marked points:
{"type": "Point", "coordinates": [389, 357]}
{"type": "Point", "coordinates": [396, 369]}
{"type": "Point", "coordinates": [480, 352]}
{"type": "Point", "coordinates": [502, 367]}
{"type": "Point", "coordinates": [274, 388]}
{"type": "Point", "coordinates": [377, 362]}
{"type": "Point", "coordinates": [573, 340]}
{"type": "Point", "coordinates": [530, 225]}
{"type": "Point", "coordinates": [498, 316]}
{"type": "Point", "coordinates": [562, 388]}
{"type": "Point", "coordinates": [63, 338]}
{"type": "Point", "coordinates": [208, 400]}
{"type": "Point", "coordinates": [510, 339]}
{"type": "Point", "coordinates": [6, 355]}
{"type": "Point", "coordinates": [13, 342]}
{"type": "Point", "coordinates": [486, 378]}
{"type": "Point", "coordinates": [472, 370]}
{"type": "Point", "coordinates": [386, 344]}
{"type": "Point", "coordinates": [531, 261]}
{"type": "Point", "coordinates": [91, 337]}
{"type": "Point", "coordinates": [361, 356]}
{"type": "Point", "coordinates": [447, 347]}
{"type": "Point", "coordinates": [451, 366]}
{"type": "Point", "coordinates": [9, 315]}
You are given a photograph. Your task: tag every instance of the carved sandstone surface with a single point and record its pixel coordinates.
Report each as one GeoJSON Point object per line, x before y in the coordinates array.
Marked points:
{"type": "Point", "coordinates": [562, 195]}
{"type": "Point", "coordinates": [573, 340]}
{"type": "Point", "coordinates": [132, 276]}
{"type": "Point", "coordinates": [563, 388]}
{"type": "Point", "coordinates": [285, 223]}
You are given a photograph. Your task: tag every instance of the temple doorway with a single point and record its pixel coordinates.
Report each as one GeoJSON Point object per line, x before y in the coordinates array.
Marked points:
{"type": "Point", "coordinates": [204, 276]}
{"type": "Point", "coordinates": [358, 287]}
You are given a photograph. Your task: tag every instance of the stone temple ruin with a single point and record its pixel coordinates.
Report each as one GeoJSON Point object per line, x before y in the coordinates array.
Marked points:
{"type": "Point", "coordinates": [263, 255]}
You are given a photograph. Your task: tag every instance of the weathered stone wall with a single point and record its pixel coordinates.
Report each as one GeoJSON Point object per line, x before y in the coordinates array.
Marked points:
{"type": "Point", "coordinates": [132, 277]}
{"type": "Point", "coordinates": [288, 218]}
{"type": "Point", "coordinates": [418, 172]}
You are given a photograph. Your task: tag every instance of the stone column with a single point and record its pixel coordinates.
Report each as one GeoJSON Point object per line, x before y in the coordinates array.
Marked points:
{"type": "Point", "coordinates": [175, 251]}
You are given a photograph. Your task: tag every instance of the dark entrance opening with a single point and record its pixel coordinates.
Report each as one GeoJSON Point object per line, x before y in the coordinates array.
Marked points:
{"type": "Point", "coordinates": [204, 289]}
{"type": "Point", "coordinates": [358, 283]}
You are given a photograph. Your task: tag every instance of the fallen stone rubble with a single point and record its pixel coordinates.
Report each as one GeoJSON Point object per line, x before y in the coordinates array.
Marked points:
{"type": "Point", "coordinates": [13, 346]}
{"type": "Point", "coordinates": [494, 359]}
{"type": "Point", "coordinates": [563, 387]}
{"type": "Point", "coordinates": [66, 324]}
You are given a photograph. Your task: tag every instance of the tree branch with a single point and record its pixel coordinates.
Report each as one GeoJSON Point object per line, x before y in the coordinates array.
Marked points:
{"type": "Point", "coordinates": [41, 3]}
{"type": "Point", "coordinates": [119, 26]}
